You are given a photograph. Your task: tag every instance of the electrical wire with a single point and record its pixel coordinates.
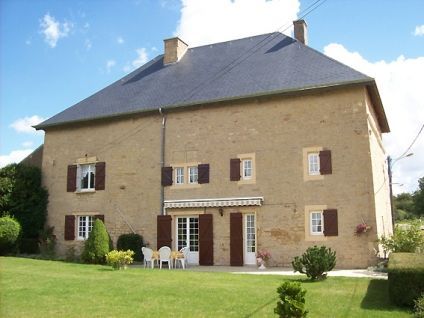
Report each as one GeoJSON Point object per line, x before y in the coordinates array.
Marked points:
{"type": "Point", "coordinates": [412, 143]}
{"type": "Point", "coordinates": [245, 55]}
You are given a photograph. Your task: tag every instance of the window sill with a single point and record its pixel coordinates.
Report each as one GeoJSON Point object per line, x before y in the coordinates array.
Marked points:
{"type": "Point", "coordinates": [85, 191]}
{"type": "Point", "coordinates": [246, 181]}
{"type": "Point", "coordinates": [185, 186]}
{"type": "Point", "coordinates": [313, 177]}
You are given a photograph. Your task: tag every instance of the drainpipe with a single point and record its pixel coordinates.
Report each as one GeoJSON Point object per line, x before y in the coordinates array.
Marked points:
{"type": "Point", "coordinates": [162, 159]}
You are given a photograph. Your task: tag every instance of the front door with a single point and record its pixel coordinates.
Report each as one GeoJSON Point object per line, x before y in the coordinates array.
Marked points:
{"type": "Point", "coordinates": [188, 235]}
{"type": "Point", "coordinates": [249, 239]}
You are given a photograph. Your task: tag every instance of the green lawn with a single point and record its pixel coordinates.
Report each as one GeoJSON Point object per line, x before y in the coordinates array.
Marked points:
{"type": "Point", "coordinates": [35, 288]}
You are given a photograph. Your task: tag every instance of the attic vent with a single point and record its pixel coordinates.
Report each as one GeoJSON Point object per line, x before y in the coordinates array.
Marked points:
{"type": "Point", "coordinates": [174, 49]}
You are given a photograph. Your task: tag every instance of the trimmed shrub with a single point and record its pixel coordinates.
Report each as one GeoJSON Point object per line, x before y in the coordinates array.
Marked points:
{"type": "Point", "coordinates": [119, 259]}
{"type": "Point", "coordinates": [405, 278]}
{"type": "Point", "coordinates": [9, 233]}
{"type": "Point", "coordinates": [406, 238]}
{"type": "Point", "coordinates": [315, 262]}
{"type": "Point", "coordinates": [133, 242]}
{"type": "Point", "coordinates": [292, 301]}
{"type": "Point", "coordinates": [419, 307]}
{"type": "Point", "coordinates": [97, 245]}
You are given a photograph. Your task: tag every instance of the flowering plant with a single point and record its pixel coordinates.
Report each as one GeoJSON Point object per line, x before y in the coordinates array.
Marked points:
{"type": "Point", "coordinates": [119, 259]}
{"type": "Point", "coordinates": [362, 228]}
{"type": "Point", "coordinates": [265, 255]}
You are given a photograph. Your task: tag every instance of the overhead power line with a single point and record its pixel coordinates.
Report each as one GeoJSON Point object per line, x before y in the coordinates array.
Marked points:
{"type": "Point", "coordinates": [245, 55]}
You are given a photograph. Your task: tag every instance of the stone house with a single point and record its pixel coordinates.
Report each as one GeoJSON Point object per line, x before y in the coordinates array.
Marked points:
{"type": "Point", "coordinates": [261, 143]}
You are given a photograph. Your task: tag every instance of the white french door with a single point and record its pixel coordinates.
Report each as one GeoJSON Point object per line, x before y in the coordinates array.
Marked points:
{"type": "Point", "coordinates": [188, 235]}
{"type": "Point", "coordinates": [249, 233]}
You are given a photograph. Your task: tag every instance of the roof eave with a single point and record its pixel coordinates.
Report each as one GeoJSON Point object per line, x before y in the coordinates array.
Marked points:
{"type": "Point", "coordinates": [378, 106]}
{"type": "Point", "coordinates": [293, 91]}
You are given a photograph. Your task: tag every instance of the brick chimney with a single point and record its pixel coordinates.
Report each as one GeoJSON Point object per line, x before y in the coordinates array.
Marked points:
{"type": "Point", "coordinates": [174, 50]}
{"type": "Point", "coordinates": [301, 31]}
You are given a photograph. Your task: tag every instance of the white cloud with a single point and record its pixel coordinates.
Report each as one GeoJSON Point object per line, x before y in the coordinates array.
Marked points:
{"type": "Point", "coordinates": [400, 85]}
{"type": "Point", "coordinates": [53, 30]}
{"type": "Point", "coordinates": [28, 42]}
{"type": "Point", "coordinates": [23, 125]}
{"type": "Point", "coordinates": [141, 59]}
{"type": "Point", "coordinates": [212, 21]}
{"type": "Point", "coordinates": [419, 30]}
{"type": "Point", "coordinates": [88, 44]}
{"type": "Point", "coordinates": [109, 65]}
{"type": "Point", "coordinates": [120, 40]}
{"type": "Point", "coordinates": [14, 157]}
{"type": "Point", "coordinates": [27, 144]}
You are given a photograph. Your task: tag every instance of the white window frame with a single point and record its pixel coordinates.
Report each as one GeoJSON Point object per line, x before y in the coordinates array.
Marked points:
{"type": "Point", "coordinates": [193, 174]}
{"type": "Point", "coordinates": [246, 169]}
{"type": "Point", "coordinates": [312, 225]}
{"type": "Point", "coordinates": [91, 168]}
{"type": "Point", "coordinates": [179, 175]}
{"type": "Point", "coordinates": [84, 226]}
{"type": "Point", "coordinates": [313, 164]}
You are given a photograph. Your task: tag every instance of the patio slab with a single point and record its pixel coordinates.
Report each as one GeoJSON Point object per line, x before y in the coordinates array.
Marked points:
{"type": "Point", "coordinates": [253, 270]}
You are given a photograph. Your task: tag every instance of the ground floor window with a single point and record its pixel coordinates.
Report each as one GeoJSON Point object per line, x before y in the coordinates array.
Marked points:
{"type": "Point", "coordinates": [85, 225]}
{"type": "Point", "coordinates": [188, 233]}
{"type": "Point", "coordinates": [316, 223]}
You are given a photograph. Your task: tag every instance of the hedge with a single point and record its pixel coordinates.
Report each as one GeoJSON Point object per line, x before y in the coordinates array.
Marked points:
{"type": "Point", "coordinates": [133, 242]}
{"type": "Point", "coordinates": [406, 278]}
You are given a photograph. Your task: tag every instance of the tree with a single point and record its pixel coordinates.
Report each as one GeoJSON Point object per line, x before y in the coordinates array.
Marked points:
{"type": "Point", "coordinates": [23, 197]}
{"type": "Point", "coordinates": [419, 199]}
{"type": "Point", "coordinates": [404, 206]}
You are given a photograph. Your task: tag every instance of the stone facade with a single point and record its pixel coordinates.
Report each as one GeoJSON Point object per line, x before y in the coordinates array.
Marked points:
{"type": "Point", "coordinates": [275, 131]}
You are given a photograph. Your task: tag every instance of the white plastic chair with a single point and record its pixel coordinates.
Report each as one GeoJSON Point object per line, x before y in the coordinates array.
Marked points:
{"type": "Point", "coordinates": [148, 257]}
{"type": "Point", "coordinates": [165, 256]}
{"type": "Point", "coordinates": [184, 259]}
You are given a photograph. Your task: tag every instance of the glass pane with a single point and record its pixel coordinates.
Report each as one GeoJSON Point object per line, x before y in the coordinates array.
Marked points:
{"type": "Point", "coordinates": [250, 233]}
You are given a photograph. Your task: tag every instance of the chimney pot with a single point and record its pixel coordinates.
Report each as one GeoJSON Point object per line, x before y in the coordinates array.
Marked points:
{"type": "Point", "coordinates": [174, 50]}
{"type": "Point", "coordinates": [301, 31]}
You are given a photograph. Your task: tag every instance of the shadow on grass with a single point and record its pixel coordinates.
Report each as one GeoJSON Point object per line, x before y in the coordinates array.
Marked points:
{"type": "Point", "coordinates": [274, 300]}
{"type": "Point", "coordinates": [377, 297]}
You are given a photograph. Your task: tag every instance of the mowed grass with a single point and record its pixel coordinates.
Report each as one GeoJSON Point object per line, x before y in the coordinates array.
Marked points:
{"type": "Point", "coordinates": [36, 288]}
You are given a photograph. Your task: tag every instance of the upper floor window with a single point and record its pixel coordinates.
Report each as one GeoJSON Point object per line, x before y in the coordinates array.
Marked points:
{"type": "Point", "coordinates": [185, 174]}
{"type": "Point", "coordinates": [179, 175]}
{"type": "Point", "coordinates": [87, 176]}
{"type": "Point", "coordinates": [247, 169]}
{"type": "Point", "coordinates": [193, 174]}
{"type": "Point", "coordinates": [242, 169]}
{"type": "Point", "coordinates": [313, 164]}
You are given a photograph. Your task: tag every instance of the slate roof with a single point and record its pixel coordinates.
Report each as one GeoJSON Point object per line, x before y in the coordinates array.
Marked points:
{"type": "Point", "coordinates": [254, 66]}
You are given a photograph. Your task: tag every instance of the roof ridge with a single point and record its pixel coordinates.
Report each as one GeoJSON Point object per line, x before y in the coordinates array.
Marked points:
{"type": "Point", "coordinates": [235, 40]}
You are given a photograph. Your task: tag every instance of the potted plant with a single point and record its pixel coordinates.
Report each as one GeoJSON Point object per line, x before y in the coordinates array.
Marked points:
{"type": "Point", "coordinates": [262, 257]}
{"type": "Point", "coordinates": [362, 228]}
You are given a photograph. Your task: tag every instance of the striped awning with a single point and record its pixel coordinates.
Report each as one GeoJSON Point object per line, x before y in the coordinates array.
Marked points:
{"type": "Point", "coordinates": [210, 203]}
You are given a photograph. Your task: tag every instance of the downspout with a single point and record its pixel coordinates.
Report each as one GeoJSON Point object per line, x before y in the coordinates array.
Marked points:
{"type": "Point", "coordinates": [162, 159]}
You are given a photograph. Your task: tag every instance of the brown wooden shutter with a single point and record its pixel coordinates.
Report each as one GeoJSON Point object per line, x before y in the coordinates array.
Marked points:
{"type": "Point", "coordinates": [166, 176]}
{"type": "Point", "coordinates": [235, 169]}
{"type": "Point", "coordinates": [69, 227]}
{"type": "Point", "coordinates": [164, 236]}
{"type": "Point", "coordinates": [205, 239]}
{"type": "Point", "coordinates": [100, 178]}
{"type": "Point", "coordinates": [101, 217]}
{"type": "Point", "coordinates": [331, 227]}
{"type": "Point", "coordinates": [71, 184]}
{"type": "Point", "coordinates": [325, 162]}
{"type": "Point", "coordinates": [236, 239]}
{"type": "Point", "coordinates": [203, 173]}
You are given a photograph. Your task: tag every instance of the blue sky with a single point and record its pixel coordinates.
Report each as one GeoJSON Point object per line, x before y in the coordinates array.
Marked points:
{"type": "Point", "coordinates": [55, 53]}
